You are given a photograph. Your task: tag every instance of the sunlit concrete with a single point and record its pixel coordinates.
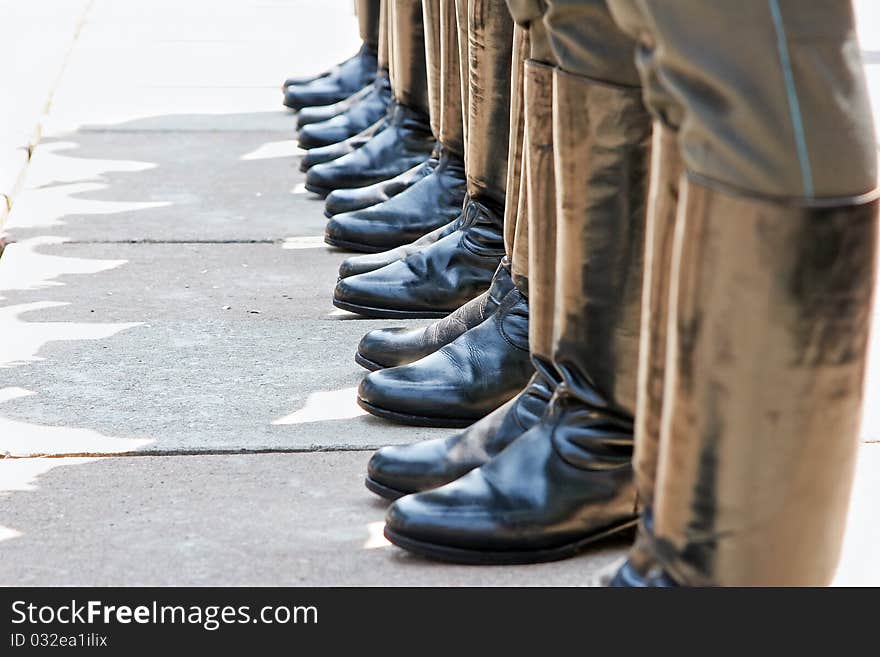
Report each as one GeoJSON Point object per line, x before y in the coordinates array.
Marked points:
{"type": "Point", "coordinates": [25, 269]}
{"type": "Point", "coordinates": [185, 347]}
{"type": "Point", "coordinates": [182, 186]}
{"type": "Point", "coordinates": [36, 37]}
{"type": "Point", "coordinates": [23, 340]}
{"type": "Point", "coordinates": [299, 519]}
{"type": "Point", "coordinates": [22, 474]}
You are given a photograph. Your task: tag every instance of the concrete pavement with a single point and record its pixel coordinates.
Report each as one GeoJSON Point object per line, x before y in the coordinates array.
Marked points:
{"type": "Point", "coordinates": [166, 330]}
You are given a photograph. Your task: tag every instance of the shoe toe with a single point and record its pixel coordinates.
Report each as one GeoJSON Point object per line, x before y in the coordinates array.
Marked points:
{"type": "Point", "coordinates": [349, 290]}
{"type": "Point", "coordinates": [320, 176]}
{"type": "Point", "coordinates": [373, 289]}
{"type": "Point", "coordinates": [412, 468]}
{"type": "Point", "coordinates": [457, 514]}
{"type": "Point", "coordinates": [342, 201]}
{"type": "Point", "coordinates": [391, 467]}
{"type": "Point", "coordinates": [382, 346]}
{"type": "Point", "coordinates": [364, 264]}
{"type": "Point", "coordinates": [353, 230]}
{"type": "Point", "coordinates": [314, 94]}
{"type": "Point", "coordinates": [418, 389]}
{"type": "Point", "coordinates": [320, 134]}
{"type": "Point", "coordinates": [382, 388]}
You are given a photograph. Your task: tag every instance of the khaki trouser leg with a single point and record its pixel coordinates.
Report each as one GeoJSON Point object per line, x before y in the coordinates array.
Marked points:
{"type": "Point", "coordinates": [452, 113]}
{"type": "Point", "coordinates": [516, 234]}
{"type": "Point", "coordinates": [772, 279]}
{"type": "Point", "coordinates": [368, 13]}
{"type": "Point", "coordinates": [490, 50]}
{"type": "Point", "coordinates": [409, 80]}
{"type": "Point", "coordinates": [384, 56]}
{"type": "Point", "coordinates": [434, 61]}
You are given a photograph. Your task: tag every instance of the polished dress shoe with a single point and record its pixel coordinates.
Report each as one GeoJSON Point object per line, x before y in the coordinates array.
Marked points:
{"type": "Point", "coordinates": [404, 143]}
{"type": "Point", "coordinates": [350, 63]}
{"type": "Point", "coordinates": [641, 569]}
{"type": "Point", "coordinates": [628, 577]}
{"type": "Point", "coordinates": [308, 115]}
{"type": "Point", "coordinates": [557, 489]}
{"type": "Point", "coordinates": [392, 347]}
{"type": "Point", "coordinates": [349, 200]}
{"type": "Point", "coordinates": [568, 481]}
{"type": "Point", "coordinates": [338, 84]}
{"type": "Point", "coordinates": [431, 203]}
{"type": "Point", "coordinates": [461, 382]}
{"type": "Point", "coordinates": [399, 470]}
{"type": "Point", "coordinates": [355, 119]}
{"type": "Point", "coordinates": [361, 264]}
{"type": "Point", "coordinates": [435, 280]}
{"type": "Point", "coordinates": [332, 152]}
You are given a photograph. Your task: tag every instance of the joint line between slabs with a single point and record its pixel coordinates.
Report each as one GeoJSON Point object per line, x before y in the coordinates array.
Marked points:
{"type": "Point", "coordinates": [192, 452]}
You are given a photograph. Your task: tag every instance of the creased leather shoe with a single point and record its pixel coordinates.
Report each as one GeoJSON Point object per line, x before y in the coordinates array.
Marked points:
{"type": "Point", "coordinates": [431, 203]}
{"type": "Point", "coordinates": [435, 280]}
{"type": "Point", "coordinates": [461, 382]}
{"type": "Point", "coordinates": [628, 577]}
{"type": "Point", "coordinates": [392, 347]}
{"type": "Point", "coordinates": [350, 63]}
{"type": "Point", "coordinates": [404, 143]}
{"type": "Point", "coordinates": [349, 200]}
{"type": "Point", "coordinates": [308, 115]}
{"type": "Point", "coordinates": [399, 470]}
{"type": "Point", "coordinates": [560, 487]}
{"type": "Point", "coordinates": [338, 84]}
{"type": "Point", "coordinates": [641, 569]}
{"type": "Point", "coordinates": [568, 481]}
{"type": "Point", "coordinates": [334, 151]}
{"type": "Point", "coordinates": [361, 264]}
{"type": "Point", "coordinates": [355, 119]}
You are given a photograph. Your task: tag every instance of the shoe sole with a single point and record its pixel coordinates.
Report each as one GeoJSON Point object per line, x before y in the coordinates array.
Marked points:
{"type": "Point", "coordinates": [383, 491]}
{"type": "Point", "coordinates": [416, 420]}
{"type": "Point", "coordinates": [504, 558]}
{"type": "Point", "coordinates": [368, 364]}
{"type": "Point", "coordinates": [320, 191]}
{"type": "Point", "coordinates": [387, 313]}
{"type": "Point", "coordinates": [356, 247]}
{"type": "Point", "coordinates": [308, 144]}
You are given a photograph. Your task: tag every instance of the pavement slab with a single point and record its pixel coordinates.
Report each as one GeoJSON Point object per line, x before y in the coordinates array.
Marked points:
{"type": "Point", "coordinates": [266, 520]}
{"type": "Point", "coordinates": [258, 520]}
{"type": "Point", "coordinates": [179, 186]}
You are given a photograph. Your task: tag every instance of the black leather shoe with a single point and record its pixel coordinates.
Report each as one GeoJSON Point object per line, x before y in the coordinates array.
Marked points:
{"type": "Point", "coordinates": [392, 347]}
{"type": "Point", "coordinates": [461, 382]}
{"type": "Point", "coordinates": [338, 84]}
{"type": "Point", "coordinates": [308, 115]}
{"type": "Point", "coordinates": [349, 200]}
{"type": "Point", "coordinates": [399, 470]}
{"type": "Point", "coordinates": [357, 118]}
{"type": "Point", "coordinates": [628, 577]}
{"type": "Point", "coordinates": [430, 204]}
{"type": "Point", "coordinates": [350, 63]}
{"type": "Point", "coordinates": [332, 152]}
{"type": "Point", "coordinates": [361, 264]}
{"type": "Point", "coordinates": [435, 280]}
{"type": "Point", "coordinates": [560, 487]}
{"type": "Point", "coordinates": [641, 569]}
{"type": "Point", "coordinates": [406, 142]}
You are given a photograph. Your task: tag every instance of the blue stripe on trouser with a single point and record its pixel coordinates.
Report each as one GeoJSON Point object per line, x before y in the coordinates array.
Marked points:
{"type": "Point", "coordinates": [793, 104]}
